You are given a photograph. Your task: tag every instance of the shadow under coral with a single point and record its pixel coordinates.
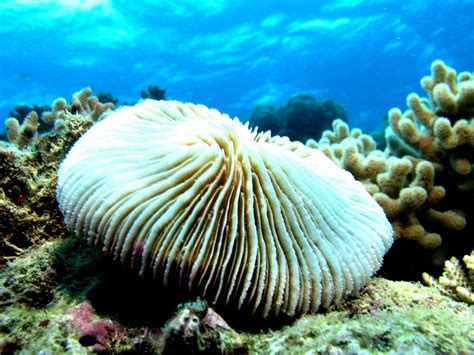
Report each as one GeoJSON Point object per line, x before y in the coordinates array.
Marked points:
{"type": "Point", "coordinates": [112, 290]}
{"type": "Point", "coordinates": [118, 293]}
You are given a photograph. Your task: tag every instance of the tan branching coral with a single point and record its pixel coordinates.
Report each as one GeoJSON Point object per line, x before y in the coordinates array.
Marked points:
{"type": "Point", "coordinates": [353, 151]}
{"type": "Point", "coordinates": [454, 282]}
{"type": "Point", "coordinates": [405, 191]}
{"type": "Point", "coordinates": [82, 103]}
{"type": "Point", "coordinates": [407, 203]}
{"type": "Point", "coordinates": [428, 161]}
{"type": "Point", "coordinates": [439, 129]}
{"type": "Point", "coordinates": [22, 135]}
{"type": "Point", "coordinates": [437, 135]}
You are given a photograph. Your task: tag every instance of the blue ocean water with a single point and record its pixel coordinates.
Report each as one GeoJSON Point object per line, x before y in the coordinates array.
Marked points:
{"type": "Point", "coordinates": [231, 55]}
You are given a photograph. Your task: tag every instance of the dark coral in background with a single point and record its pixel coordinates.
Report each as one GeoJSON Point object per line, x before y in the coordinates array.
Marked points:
{"type": "Point", "coordinates": [301, 118]}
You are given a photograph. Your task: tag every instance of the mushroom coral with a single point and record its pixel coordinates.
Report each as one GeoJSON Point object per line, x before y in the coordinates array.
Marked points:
{"type": "Point", "coordinates": [202, 202]}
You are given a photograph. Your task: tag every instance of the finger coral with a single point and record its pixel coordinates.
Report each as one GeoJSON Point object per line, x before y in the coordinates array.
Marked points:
{"type": "Point", "coordinates": [425, 174]}
{"type": "Point", "coordinates": [259, 222]}
{"type": "Point", "coordinates": [353, 151]}
{"type": "Point", "coordinates": [436, 134]}
{"type": "Point", "coordinates": [82, 103]}
{"type": "Point", "coordinates": [21, 135]}
{"type": "Point", "coordinates": [439, 129]}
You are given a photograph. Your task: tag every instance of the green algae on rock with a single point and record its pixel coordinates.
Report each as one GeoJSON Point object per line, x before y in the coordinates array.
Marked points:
{"type": "Point", "coordinates": [385, 317]}
{"type": "Point", "coordinates": [28, 208]}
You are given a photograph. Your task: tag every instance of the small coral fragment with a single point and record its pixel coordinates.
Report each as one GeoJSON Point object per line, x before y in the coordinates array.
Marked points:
{"type": "Point", "coordinates": [454, 282]}
{"type": "Point", "coordinates": [22, 135]}
{"type": "Point", "coordinates": [82, 103]}
{"type": "Point", "coordinates": [195, 328]}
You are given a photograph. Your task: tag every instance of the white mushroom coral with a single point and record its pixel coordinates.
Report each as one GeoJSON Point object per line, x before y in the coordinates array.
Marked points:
{"type": "Point", "coordinates": [205, 203]}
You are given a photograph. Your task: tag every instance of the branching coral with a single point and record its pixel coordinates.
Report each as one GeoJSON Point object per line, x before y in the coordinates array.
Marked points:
{"type": "Point", "coordinates": [436, 134]}
{"type": "Point", "coordinates": [428, 162]}
{"type": "Point", "coordinates": [353, 151]}
{"type": "Point", "coordinates": [406, 193]}
{"type": "Point", "coordinates": [21, 135]}
{"type": "Point", "coordinates": [439, 129]}
{"type": "Point", "coordinates": [82, 103]}
{"type": "Point", "coordinates": [454, 282]}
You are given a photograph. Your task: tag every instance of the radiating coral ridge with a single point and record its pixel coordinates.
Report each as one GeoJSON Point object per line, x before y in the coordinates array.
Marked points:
{"type": "Point", "coordinates": [202, 202]}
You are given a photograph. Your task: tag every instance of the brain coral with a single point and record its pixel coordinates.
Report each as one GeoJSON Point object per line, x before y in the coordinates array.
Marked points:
{"type": "Point", "coordinates": [202, 202]}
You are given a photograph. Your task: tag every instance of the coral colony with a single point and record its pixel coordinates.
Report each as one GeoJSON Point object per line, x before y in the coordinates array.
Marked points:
{"type": "Point", "coordinates": [262, 228]}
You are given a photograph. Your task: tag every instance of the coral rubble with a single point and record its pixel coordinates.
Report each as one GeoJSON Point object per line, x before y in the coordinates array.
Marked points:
{"type": "Point", "coordinates": [388, 317]}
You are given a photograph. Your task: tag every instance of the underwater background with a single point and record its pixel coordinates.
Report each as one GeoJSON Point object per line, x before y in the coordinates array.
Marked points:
{"type": "Point", "coordinates": [231, 55]}
{"type": "Point", "coordinates": [376, 96]}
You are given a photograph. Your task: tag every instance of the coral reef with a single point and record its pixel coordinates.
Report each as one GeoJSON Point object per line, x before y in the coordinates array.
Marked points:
{"type": "Point", "coordinates": [61, 296]}
{"type": "Point", "coordinates": [301, 118]}
{"type": "Point", "coordinates": [454, 282]}
{"type": "Point", "coordinates": [53, 299]}
{"type": "Point", "coordinates": [28, 165]}
{"type": "Point", "coordinates": [30, 280]}
{"type": "Point", "coordinates": [388, 317]}
{"type": "Point", "coordinates": [28, 210]}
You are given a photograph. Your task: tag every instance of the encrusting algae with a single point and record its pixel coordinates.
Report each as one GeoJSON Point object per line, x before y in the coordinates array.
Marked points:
{"type": "Point", "coordinates": [57, 294]}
